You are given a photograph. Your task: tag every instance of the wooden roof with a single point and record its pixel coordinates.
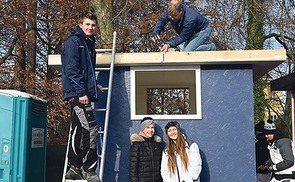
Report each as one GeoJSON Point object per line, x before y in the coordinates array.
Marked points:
{"type": "Point", "coordinates": [262, 61]}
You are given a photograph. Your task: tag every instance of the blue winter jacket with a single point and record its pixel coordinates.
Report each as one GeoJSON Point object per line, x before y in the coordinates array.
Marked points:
{"type": "Point", "coordinates": [189, 24]}
{"type": "Point", "coordinates": [78, 66]}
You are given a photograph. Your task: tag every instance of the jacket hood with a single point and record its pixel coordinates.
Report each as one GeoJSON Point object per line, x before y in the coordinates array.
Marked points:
{"type": "Point", "coordinates": [137, 138]}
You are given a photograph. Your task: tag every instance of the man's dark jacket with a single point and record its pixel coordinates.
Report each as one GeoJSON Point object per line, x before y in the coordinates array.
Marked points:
{"type": "Point", "coordinates": [190, 23]}
{"type": "Point", "coordinates": [78, 64]}
{"type": "Point", "coordinates": [262, 153]}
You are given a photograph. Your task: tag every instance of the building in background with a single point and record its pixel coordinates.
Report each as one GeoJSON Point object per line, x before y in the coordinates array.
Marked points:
{"type": "Point", "coordinates": [275, 109]}
{"type": "Point", "coordinates": [287, 83]}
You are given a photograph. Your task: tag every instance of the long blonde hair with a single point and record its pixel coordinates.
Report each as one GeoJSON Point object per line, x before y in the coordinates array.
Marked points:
{"type": "Point", "coordinates": [179, 148]}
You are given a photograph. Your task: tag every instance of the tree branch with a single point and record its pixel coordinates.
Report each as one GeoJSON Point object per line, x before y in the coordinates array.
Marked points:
{"type": "Point", "coordinates": [9, 52]}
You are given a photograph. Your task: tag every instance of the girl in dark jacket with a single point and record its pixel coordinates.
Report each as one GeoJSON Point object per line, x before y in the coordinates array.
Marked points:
{"type": "Point", "coordinates": [145, 154]}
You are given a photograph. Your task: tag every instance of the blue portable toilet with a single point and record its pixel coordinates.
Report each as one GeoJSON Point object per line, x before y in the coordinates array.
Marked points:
{"type": "Point", "coordinates": [23, 122]}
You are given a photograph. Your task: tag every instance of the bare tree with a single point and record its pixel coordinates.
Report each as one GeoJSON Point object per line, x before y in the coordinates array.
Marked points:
{"type": "Point", "coordinates": [30, 30]}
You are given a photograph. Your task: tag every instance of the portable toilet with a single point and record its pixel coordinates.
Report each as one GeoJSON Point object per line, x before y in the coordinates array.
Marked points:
{"type": "Point", "coordinates": [23, 122]}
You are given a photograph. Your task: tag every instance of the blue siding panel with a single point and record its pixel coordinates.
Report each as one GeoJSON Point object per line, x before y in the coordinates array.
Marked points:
{"type": "Point", "coordinates": [225, 134]}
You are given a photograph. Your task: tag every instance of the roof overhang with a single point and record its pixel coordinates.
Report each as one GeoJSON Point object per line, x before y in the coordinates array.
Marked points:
{"type": "Point", "coordinates": [286, 83]}
{"type": "Point", "coordinates": [262, 61]}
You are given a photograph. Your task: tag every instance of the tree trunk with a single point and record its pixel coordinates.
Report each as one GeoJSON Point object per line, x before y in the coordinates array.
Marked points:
{"type": "Point", "coordinates": [254, 41]}
{"type": "Point", "coordinates": [20, 61]}
{"type": "Point", "coordinates": [104, 12]}
{"type": "Point", "coordinates": [31, 44]}
{"type": "Point", "coordinates": [31, 40]}
{"type": "Point", "coordinates": [255, 30]}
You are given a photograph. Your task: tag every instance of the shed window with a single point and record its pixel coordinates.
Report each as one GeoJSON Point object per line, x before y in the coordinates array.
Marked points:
{"type": "Point", "coordinates": [166, 92]}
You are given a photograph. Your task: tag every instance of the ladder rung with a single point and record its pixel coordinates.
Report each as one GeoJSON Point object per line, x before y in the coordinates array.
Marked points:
{"type": "Point", "coordinates": [105, 88]}
{"type": "Point", "coordinates": [103, 50]}
{"type": "Point", "coordinates": [99, 156]}
{"type": "Point", "coordinates": [100, 109]}
{"type": "Point", "coordinates": [100, 132]}
{"type": "Point", "coordinates": [102, 69]}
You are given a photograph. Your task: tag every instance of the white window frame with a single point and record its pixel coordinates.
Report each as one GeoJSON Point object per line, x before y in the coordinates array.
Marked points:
{"type": "Point", "coordinates": [198, 101]}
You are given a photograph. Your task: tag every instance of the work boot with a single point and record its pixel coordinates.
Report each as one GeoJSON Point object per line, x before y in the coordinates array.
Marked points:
{"type": "Point", "coordinates": [74, 173]}
{"type": "Point", "coordinates": [92, 177]}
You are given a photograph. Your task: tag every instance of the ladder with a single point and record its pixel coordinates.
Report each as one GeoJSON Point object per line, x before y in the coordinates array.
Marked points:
{"type": "Point", "coordinates": [102, 133]}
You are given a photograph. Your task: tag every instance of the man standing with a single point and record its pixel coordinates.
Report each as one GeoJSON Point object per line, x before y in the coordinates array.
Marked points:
{"type": "Point", "coordinates": [192, 28]}
{"type": "Point", "coordinates": [80, 89]}
{"type": "Point", "coordinates": [281, 150]}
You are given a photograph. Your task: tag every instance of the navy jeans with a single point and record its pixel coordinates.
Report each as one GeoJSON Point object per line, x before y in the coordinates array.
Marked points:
{"type": "Point", "coordinates": [199, 42]}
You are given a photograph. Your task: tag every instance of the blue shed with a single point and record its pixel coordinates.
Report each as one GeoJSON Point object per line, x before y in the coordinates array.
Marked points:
{"type": "Point", "coordinates": [213, 92]}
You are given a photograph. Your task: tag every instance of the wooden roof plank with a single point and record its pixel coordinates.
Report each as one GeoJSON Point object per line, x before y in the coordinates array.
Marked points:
{"type": "Point", "coordinates": [262, 61]}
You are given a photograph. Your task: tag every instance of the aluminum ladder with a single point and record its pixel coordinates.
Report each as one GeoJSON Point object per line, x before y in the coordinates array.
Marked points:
{"type": "Point", "coordinates": [102, 133]}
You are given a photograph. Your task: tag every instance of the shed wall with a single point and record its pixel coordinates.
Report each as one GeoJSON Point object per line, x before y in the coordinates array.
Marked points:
{"type": "Point", "coordinates": [225, 134]}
